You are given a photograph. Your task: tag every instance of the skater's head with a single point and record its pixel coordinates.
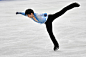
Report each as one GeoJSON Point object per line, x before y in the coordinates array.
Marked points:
{"type": "Point", "coordinates": [29, 13]}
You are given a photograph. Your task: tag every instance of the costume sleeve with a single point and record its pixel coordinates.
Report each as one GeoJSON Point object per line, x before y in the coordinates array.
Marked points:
{"type": "Point", "coordinates": [23, 13]}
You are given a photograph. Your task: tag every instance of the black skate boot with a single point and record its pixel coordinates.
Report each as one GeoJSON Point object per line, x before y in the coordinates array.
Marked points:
{"type": "Point", "coordinates": [75, 4]}
{"type": "Point", "coordinates": [71, 6]}
{"type": "Point", "coordinates": [56, 48]}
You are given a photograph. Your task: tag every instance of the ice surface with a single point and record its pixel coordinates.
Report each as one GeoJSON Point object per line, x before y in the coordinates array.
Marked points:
{"type": "Point", "coordinates": [22, 37]}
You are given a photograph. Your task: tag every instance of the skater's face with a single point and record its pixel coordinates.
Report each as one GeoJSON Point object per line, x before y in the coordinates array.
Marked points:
{"type": "Point", "coordinates": [30, 15]}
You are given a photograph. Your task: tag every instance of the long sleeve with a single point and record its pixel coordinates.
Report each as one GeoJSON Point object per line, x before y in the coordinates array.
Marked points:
{"type": "Point", "coordinates": [23, 13]}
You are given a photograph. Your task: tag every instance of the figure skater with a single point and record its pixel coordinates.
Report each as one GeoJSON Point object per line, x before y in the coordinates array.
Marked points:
{"type": "Point", "coordinates": [47, 19]}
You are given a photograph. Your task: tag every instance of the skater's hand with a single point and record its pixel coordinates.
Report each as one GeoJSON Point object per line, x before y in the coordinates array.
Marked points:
{"type": "Point", "coordinates": [18, 12]}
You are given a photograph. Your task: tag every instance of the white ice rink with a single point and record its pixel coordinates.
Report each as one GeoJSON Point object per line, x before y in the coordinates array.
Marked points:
{"type": "Point", "coordinates": [20, 36]}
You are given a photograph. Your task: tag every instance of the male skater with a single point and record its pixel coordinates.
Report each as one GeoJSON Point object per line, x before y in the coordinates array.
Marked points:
{"type": "Point", "coordinates": [48, 19]}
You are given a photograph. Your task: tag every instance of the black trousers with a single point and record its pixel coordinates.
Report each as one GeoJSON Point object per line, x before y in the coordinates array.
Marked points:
{"type": "Point", "coordinates": [52, 17]}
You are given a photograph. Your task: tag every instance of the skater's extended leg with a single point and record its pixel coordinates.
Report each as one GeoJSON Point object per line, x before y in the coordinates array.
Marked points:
{"type": "Point", "coordinates": [49, 29]}
{"type": "Point", "coordinates": [61, 12]}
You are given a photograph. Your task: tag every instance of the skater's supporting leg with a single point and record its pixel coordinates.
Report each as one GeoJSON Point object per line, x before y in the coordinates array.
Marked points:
{"type": "Point", "coordinates": [49, 29]}
{"type": "Point", "coordinates": [54, 16]}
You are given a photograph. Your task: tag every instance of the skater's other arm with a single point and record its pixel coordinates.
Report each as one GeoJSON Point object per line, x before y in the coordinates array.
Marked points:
{"type": "Point", "coordinates": [32, 16]}
{"type": "Point", "coordinates": [35, 19]}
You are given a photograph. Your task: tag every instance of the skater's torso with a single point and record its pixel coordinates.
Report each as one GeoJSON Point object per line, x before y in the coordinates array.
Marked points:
{"type": "Point", "coordinates": [40, 17]}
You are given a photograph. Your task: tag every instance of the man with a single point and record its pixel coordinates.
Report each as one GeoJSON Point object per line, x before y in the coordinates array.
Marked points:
{"type": "Point", "coordinates": [48, 19]}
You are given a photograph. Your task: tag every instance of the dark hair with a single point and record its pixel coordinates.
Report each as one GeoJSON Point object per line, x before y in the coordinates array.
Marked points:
{"type": "Point", "coordinates": [29, 11]}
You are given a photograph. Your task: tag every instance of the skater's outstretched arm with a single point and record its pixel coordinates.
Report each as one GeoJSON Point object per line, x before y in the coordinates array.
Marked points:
{"type": "Point", "coordinates": [21, 13]}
